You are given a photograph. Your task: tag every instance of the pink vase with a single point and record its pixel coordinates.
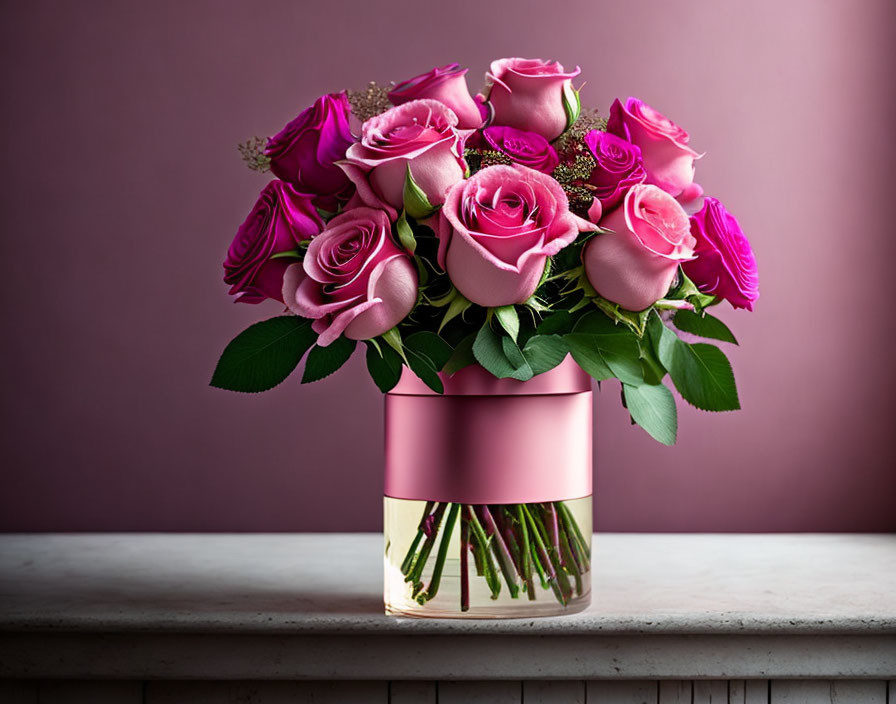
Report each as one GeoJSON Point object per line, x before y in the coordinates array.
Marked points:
{"type": "Point", "coordinates": [488, 495]}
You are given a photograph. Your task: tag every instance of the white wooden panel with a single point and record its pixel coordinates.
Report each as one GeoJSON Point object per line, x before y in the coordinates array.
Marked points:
{"type": "Point", "coordinates": [15, 692]}
{"type": "Point", "coordinates": [89, 692]}
{"type": "Point", "coordinates": [267, 693]}
{"type": "Point", "coordinates": [554, 692]}
{"type": "Point", "coordinates": [710, 692]}
{"type": "Point", "coordinates": [676, 692]}
{"type": "Point", "coordinates": [828, 692]}
{"type": "Point", "coordinates": [412, 693]}
{"type": "Point", "coordinates": [475, 692]}
{"type": "Point", "coordinates": [623, 692]}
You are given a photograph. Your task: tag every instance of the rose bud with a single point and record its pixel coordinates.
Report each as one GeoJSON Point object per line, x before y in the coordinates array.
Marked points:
{"type": "Point", "coordinates": [445, 84]}
{"type": "Point", "coordinates": [305, 151]}
{"type": "Point", "coordinates": [532, 95]}
{"type": "Point", "coordinates": [524, 148]}
{"type": "Point", "coordinates": [725, 265]}
{"type": "Point", "coordinates": [421, 136]}
{"type": "Point", "coordinates": [635, 264]}
{"type": "Point", "coordinates": [668, 161]}
{"type": "Point", "coordinates": [282, 217]}
{"type": "Point", "coordinates": [618, 167]}
{"type": "Point", "coordinates": [497, 229]}
{"type": "Point", "coordinates": [354, 279]}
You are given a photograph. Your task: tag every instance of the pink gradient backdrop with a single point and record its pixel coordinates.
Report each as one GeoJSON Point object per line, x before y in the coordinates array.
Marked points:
{"type": "Point", "coordinates": [122, 189]}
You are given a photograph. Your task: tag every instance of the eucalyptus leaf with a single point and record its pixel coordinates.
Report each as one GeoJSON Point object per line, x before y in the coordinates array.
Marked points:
{"type": "Point", "coordinates": [323, 361]}
{"type": "Point", "coordinates": [264, 354]}
{"type": "Point", "coordinates": [653, 408]}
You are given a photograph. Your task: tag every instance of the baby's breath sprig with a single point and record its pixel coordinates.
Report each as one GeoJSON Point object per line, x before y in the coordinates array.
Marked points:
{"type": "Point", "coordinates": [372, 101]}
{"type": "Point", "coordinates": [252, 151]}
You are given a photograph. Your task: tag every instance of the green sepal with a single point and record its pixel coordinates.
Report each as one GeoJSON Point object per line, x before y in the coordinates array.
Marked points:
{"type": "Point", "coordinates": [392, 337]}
{"type": "Point", "coordinates": [457, 306]}
{"type": "Point", "coordinates": [290, 254]}
{"type": "Point", "coordinates": [323, 361]}
{"type": "Point", "coordinates": [405, 233]}
{"type": "Point", "coordinates": [572, 104]}
{"type": "Point", "coordinates": [416, 204]}
{"type": "Point", "coordinates": [263, 355]}
{"type": "Point", "coordinates": [634, 320]}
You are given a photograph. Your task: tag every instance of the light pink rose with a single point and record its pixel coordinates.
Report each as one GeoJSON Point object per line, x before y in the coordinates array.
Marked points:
{"type": "Point", "coordinates": [421, 135]}
{"type": "Point", "coordinates": [529, 94]}
{"type": "Point", "coordinates": [668, 160]}
{"type": "Point", "coordinates": [447, 85]}
{"type": "Point", "coordinates": [634, 265]}
{"type": "Point", "coordinates": [354, 279]}
{"type": "Point", "coordinates": [497, 229]}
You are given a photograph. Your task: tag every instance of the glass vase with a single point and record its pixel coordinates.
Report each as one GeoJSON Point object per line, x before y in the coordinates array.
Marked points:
{"type": "Point", "coordinates": [488, 496]}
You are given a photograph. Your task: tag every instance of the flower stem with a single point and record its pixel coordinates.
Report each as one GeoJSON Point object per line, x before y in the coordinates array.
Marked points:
{"type": "Point", "coordinates": [571, 565]}
{"type": "Point", "coordinates": [505, 561]}
{"type": "Point", "coordinates": [526, 554]}
{"type": "Point", "coordinates": [577, 540]}
{"type": "Point", "coordinates": [464, 563]}
{"type": "Point", "coordinates": [554, 579]}
{"type": "Point", "coordinates": [491, 574]}
{"type": "Point", "coordinates": [442, 554]}
{"type": "Point", "coordinates": [409, 558]}
{"type": "Point", "coordinates": [417, 570]}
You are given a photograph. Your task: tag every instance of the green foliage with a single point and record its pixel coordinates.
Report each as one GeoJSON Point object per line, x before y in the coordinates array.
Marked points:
{"type": "Point", "coordinates": [323, 361]}
{"type": "Point", "coordinates": [509, 320]}
{"type": "Point", "coordinates": [384, 365]}
{"type": "Point", "coordinates": [605, 349]}
{"type": "Point", "coordinates": [544, 352]}
{"type": "Point", "coordinates": [427, 354]}
{"type": "Point", "coordinates": [703, 326]}
{"type": "Point", "coordinates": [405, 233]}
{"type": "Point", "coordinates": [500, 355]}
{"type": "Point", "coordinates": [462, 356]}
{"type": "Point", "coordinates": [558, 323]}
{"type": "Point", "coordinates": [653, 408]}
{"type": "Point", "coordinates": [264, 354]}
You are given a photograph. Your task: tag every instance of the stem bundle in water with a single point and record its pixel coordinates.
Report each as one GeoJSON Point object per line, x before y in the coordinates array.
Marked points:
{"type": "Point", "coordinates": [509, 541]}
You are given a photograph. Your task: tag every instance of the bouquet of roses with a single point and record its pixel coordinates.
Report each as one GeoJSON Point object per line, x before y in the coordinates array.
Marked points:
{"type": "Point", "coordinates": [510, 230]}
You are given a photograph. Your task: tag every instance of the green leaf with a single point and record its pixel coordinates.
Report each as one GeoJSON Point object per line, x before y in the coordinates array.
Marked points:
{"type": "Point", "coordinates": [456, 307]}
{"type": "Point", "coordinates": [290, 254]}
{"type": "Point", "coordinates": [704, 325]}
{"type": "Point", "coordinates": [461, 357]}
{"type": "Point", "coordinates": [384, 366]}
{"type": "Point", "coordinates": [653, 370]}
{"type": "Point", "coordinates": [427, 353]}
{"type": "Point", "coordinates": [488, 349]}
{"type": "Point", "coordinates": [635, 320]}
{"type": "Point", "coordinates": [264, 354]}
{"type": "Point", "coordinates": [416, 204]}
{"type": "Point", "coordinates": [405, 233]}
{"type": "Point", "coordinates": [509, 320]}
{"type": "Point", "coordinates": [700, 372]}
{"type": "Point", "coordinates": [653, 408]}
{"type": "Point", "coordinates": [685, 289]}
{"type": "Point", "coordinates": [521, 369]}
{"type": "Point", "coordinates": [605, 350]}
{"type": "Point", "coordinates": [558, 323]}
{"type": "Point", "coordinates": [544, 352]}
{"type": "Point", "coordinates": [323, 361]}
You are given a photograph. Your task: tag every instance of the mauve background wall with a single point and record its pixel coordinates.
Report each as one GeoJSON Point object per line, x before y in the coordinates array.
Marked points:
{"type": "Point", "coordinates": [122, 188]}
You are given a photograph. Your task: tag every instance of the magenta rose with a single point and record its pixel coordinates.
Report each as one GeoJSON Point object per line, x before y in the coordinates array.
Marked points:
{"type": "Point", "coordinates": [524, 148]}
{"type": "Point", "coordinates": [445, 84]}
{"type": "Point", "coordinates": [305, 151]}
{"type": "Point", "coordinates": [725, 265]}
{"type": "Point", "coordinates": [668, 160]}
{"type": "Point", "coordinates": [618, 167]}
{"type": "Point", "coordinates": [530, 94]}
{"type": "Point", "coordinates": [497, 230]}
{"type": "Point", "coordinates": [635, 264]}
{"type": "Point", "coordinates": [354, 279]}
{"type": "Point", "coordinates": [282, 217]}
{"type": "Point", "coordinates": [421, 136]}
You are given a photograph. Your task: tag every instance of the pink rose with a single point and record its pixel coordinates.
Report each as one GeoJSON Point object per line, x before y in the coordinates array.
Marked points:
{"type": "Point", "coordinates": [445, 84]}
{"type": "Point", "coordinates": [305, 151]}
{"type": "Point", "coordinates": [531, 94]}
{"type": "Point", "coordinates": [668, 160]}
{"type": "Point", "coordinates": [421, 136]}
{"type": "Point", "coordinates": [617, 167]}
{"type": "Point", "coordinates": [497, 230]}
{"type": "Point", "coordinates": [354, 279]}
{"type": "Point", "coordinates": [725, 265]}
{"type": "Point", "coordinates": [525, 148]}
{"type": "Point", "coordinates": [281, 218]}
{"type": "Point", "coordinates": [634, 265]}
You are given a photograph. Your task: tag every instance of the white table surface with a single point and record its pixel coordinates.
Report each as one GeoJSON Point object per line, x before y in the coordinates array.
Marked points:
{"type": "Point", "coordinates": [310, 605]}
